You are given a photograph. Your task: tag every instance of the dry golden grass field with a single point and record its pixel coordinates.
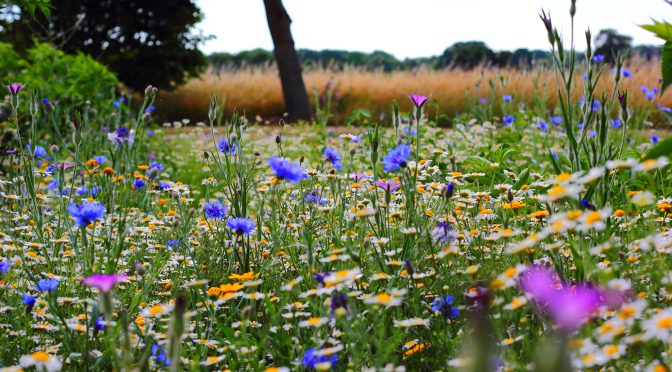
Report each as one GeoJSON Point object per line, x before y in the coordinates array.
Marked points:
{"type": "Point", "coordinates": [256, 90]}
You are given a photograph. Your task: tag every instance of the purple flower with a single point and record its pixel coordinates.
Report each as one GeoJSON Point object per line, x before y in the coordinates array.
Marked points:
{"type": "Point", "coordinates": [598, 58]}
{"type": "Point", "coordinates": [86, 213]}
{"type": "Point", "coordinates": [418, 100]}
{"type": "Point", "coordinates": [286, 170]}
{"type": "Point", "coordinates": [542, 125]}
{"type": "Point", "coordinates": [556, 120]}
{"type": "Point", "coordinates": [215, 209]}
{"type": "Point", "coordinates": [224, 147]}
{"type": "Point", "coordinates": [120, 136]}
{"type": "Point", "coordinates": [332, 156]}
{"type": "Point", "coordinates": [240, 225]}
{"type": "Point", "coordinates": [387, 185]}
{"type": "Point", "coordinates": [616, 123]}
{"type": "Point", "coordinates": [654, 138]}
{"type": "Point", "coordinates": [104, 282]}
{"type": "Point", "coordinates": [507, 98]}
{"type": "Point", "coordinates": [14, 88]}
{"type": "Point", "coordinates": [396, 158]}
{"type": "Point", "coordinates": [568, 306]}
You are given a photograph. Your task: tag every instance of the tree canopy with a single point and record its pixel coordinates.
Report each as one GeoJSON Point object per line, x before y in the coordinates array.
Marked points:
{"type": "Point", "coordinates": [142, 41]}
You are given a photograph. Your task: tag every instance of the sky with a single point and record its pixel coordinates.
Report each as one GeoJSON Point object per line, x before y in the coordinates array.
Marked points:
{"type": "Point", "coordinates": [420, 28]}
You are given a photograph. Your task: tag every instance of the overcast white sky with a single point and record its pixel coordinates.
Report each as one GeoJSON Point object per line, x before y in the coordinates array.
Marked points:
{"type": "Point", "coordinates": [416, 28]}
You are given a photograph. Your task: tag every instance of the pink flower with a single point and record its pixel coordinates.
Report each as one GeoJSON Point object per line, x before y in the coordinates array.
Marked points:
{"type": "Point", "coordinates": [418, 100]}
{"type": "Point", "coordinates": [14, 88]}
{"type": "Point", "coordinates": [569, 307]}
{"type": "Point", "coordinates": [387, 185]}
{"type": "Point", "coordinates": [104, 282]}
{"type": "Point", "coordinates": [64, 166]}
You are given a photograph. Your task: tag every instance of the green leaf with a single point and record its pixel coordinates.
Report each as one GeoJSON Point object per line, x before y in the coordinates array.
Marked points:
{"type": "Point", "coordinates": [666, 66]}
{"type": "Point", "coordinates": [663, 148]}
{"type": "Point", "coordinates": [662, 30]}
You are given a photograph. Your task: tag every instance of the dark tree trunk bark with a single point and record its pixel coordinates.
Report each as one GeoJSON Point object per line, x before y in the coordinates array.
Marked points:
{"type": "Point", "coordinates": [293, 88]}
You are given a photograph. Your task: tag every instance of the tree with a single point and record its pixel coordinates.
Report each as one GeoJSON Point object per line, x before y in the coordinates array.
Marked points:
{"type": "Point", "coordinates": [609, 43]}
{"type": "Point", "coordinates": [142, 41]}
{"type": "Point", "coordinates": [466, 55]}
{"type": "Point", "coordinates": [293, 88]}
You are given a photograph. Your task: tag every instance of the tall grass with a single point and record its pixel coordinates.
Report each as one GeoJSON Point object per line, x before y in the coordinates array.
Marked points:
{"type": "Point", "coordinates": [257, 91]}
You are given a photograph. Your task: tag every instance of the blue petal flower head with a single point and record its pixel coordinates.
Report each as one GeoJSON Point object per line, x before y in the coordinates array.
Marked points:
{"type": "Point", "coordinates": [542, 125]}
{"type": "Point", "coordinates": [95, 190]}
{"type": "Point", "coordinates": [314, 197]}
{"type": "Point", "coordinates": [172, 243]}
{"type": "Point", "coordinates": [310, 358]}
{"type": "Point", "coordinates": [100, 159]}
{"type": "Point", "coordinates": [4, 267]}
{"type": "Point", "coordinates": [163, 185]}
{"type": "Point", "coordinates": [47, 285]}
{"type": "Point", "coordinates": [215, 209]}
{"type": "Point", "coordinates": [507, 98]}
{"type": "Point", "coordinates": [240, 225]}
{"type": "Point", "coordinates": [508, 120]}
{"type": "Point", "coordinates": [556, 120]}
{"type": "Point", "coordinates": [444, 305]}
{"type": "Point", "coordinates": [86, 213]}
{"type": "Point", "coordinates": [332, 156]}
{"type": "Point", "coordinates": [38, 152]}
{"type": "Point", "coordinates": [396, 158]}
{"type": "Point", "coordinates": [139, 183]}
{"type": "Point", "coordinates": [286, 170]}
{"type": "Point", "coordinates": [226, 148]}
{"type": "Point", "coordinates": [81, 190]}
{"type": "Point", "coordinates": [654, 138]}
{"type": "Point", "coordinates": [28, 300]}
{"type": "Point", "coordinates": [100, 323]}
{"type": "Point", "coordinates": [598, 58]}
{"type": "Point", "coordinates": [616, 123]}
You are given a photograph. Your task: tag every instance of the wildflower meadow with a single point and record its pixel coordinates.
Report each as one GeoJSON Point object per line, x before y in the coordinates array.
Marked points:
{"type": "Point", "coordinates": [521, 237]}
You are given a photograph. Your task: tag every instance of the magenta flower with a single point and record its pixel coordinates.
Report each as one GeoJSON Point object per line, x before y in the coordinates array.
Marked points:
{"type": "Point", "coordinates": [387, 185]}
{"type": "Point", "coordinates": [64, 166]}
{"type": "Point", "coordinates": [418, 100]}
{"type": "Point", "coordinates": [569, 307]}
{"type": "Point", "coordinates": [14, 88]}
{"type": "Point", "coordinates": [104, 282]}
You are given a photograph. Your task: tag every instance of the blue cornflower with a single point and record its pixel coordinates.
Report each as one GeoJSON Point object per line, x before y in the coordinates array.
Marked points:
{"type": "Point", "coordinates": [215, 209]}
{"type": "Point", "coordinates": [406, 131]}
{"type": "Point", "coordinates": [81, 190]}
{"type": "Point", "coordinates": [163, 185]}
{"type": "Point", "coordinates": [313, 197]}
{"type": "Point", "coordinates": [28, 300]}
{"type": "Point", "coordinates": [556, 120]}
{"type": "Point", "coordinates": [592, 133]}
{"type": "Point", "coordinates": [332, 156]}
{"type": "Point", "coordinates": [160, 355]}
{"type": "Point", "coordinates": [507, 98]}
{"type": "Point", "coordinates": [338, 300]}
{"type": "Point", "coordinates": [310, 359]}
{"type": "Point", "coordinates": [240, 225]}
{"type": "Point", "coordinates": [4, 267]}
{"type": "Point", "coordinates": [542, 124]}
{"type": "Point", "coordinates": [626, 73]}
{"type": "Point", "coordinates": [86, 213]}
{"type": "Point", "coordinates": [38, 152]}
{"type": "Point", "coordinates": [100, 323]}
{"type": "Point", "coordinates": [100, 159]}
{"type": "Point", "coordinates": [396, 158]}
{"type": "Point", "coordinates": [654, 138]}
{"type": "Point", "coordinates": [47, 285]}
{"type": "Point", "coordinates": [444, 305]}
{"type": "Point", "coordinates": [286, 170]}
{"type": "Point", "coordinates": [172, 243]}
{"type": "Point", "coordinates": [508, 119]}
{"type": "Point", "coordinates": [139, 183]}
{"type": "Point", "coordinates": [95, 190]}
{"type": "Point", "coordinates": [616, 123]}
{"type": "Point", "coordinates": [50, 169]}
{"type": "Point", "coordinates": [157, 165]}
{"type": "Point", "coordinates": [150, 109]}
{"type": "Point", "coordinates": [598, 58]}
{"type": "Point", "coordinates": [225, 147]}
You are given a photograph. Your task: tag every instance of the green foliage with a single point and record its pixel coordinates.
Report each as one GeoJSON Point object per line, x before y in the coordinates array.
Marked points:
{"type": "Point", "coordinates": [30, 5]}
{"type": "Point", "coordinates": [70, 79]}
{"type": "Point", "coordinates": [666, 66]}
{"type": "Point", "coordinates": [155, 45]}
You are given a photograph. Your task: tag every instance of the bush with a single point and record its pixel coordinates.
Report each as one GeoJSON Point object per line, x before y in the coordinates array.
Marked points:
{"type": "Point", "coordinates": [71, 79]}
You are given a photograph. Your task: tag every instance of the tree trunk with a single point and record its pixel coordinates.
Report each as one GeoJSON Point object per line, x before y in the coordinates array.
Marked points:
{"type": "Point", "coordinates": [293, 88]}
